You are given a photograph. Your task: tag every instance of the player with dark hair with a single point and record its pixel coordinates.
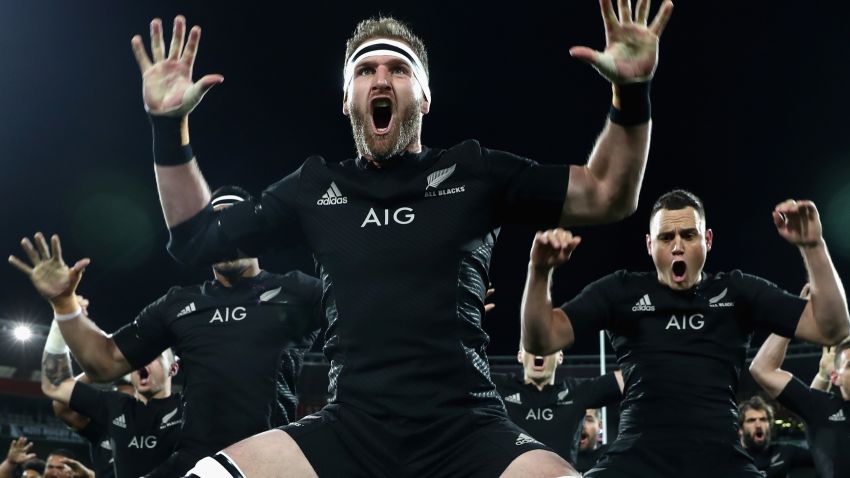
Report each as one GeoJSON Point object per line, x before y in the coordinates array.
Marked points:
{"type": "Point", "coordinates": [667, 324]}
{"type": "Point", "coordinates": [755, 417]}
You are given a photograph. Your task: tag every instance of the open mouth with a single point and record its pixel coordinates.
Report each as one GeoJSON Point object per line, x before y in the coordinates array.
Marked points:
{"type": "Point", "coordinates": [679, 269]}
{"type": "Point", "coordinates": [382, 114]}
{"type": "Point", "coordinates": [144, 375]}
{"type": "Point", "coordinates": [583, 440]}
{"type": "Point", "coordinates": [759, 435]}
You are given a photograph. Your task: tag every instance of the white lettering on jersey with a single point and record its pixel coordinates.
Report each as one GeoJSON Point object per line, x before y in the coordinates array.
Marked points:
{"type": "Point", "coordinates": [402, 215]}
{"type": "Point", "coordinates": [544, 414]}
{"type": "Point", "coordinates": [237, 313]}
{"type": "Point", "coordinates": [142, 442]}
{"type": "Point", "coordinates": [694, 322]}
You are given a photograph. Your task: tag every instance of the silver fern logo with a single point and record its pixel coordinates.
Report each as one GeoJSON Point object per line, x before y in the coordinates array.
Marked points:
{"type": "Point", "coordinates": [437, 177]}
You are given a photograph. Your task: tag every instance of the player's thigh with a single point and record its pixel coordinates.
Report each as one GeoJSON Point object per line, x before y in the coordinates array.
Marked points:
{"type": "Point", "coordinates": [539, 464]}
{"type": "Point", "coordinates": [271, 454]}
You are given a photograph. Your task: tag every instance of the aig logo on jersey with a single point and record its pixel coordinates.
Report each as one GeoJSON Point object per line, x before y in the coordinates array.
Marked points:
{"type": "Point", "coordinates": [436, 178]}
{"type": "Point", "coordinates": [142, 441]}
{"type": "Point", "coordinates": [332, 197]}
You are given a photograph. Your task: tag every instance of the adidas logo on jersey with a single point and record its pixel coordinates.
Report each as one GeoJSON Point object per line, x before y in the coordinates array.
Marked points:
{"type": "Point", "coordinates": [643, 305]}
{"type": "Point", "coordinates": [838, 416]}
{"type": "Point", "coordinates": [523, 439]}
{"type": "Point", "coordinates": [515, 398]}
{"type": "Point", "coordinates": [120, 422]}
{"type": "Point", "coordinates": [187, 310]}
{"type": "Point", "coordinates": [332, 197]}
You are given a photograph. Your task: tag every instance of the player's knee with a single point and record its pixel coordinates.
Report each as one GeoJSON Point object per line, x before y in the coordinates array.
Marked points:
{"type": "Point", "coordinates": [217, 466]}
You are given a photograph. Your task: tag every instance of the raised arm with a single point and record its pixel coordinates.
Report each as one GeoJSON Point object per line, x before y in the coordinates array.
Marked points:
{"type": "Point", "coordinates": [766, 366]}
{"type": "Point", "coordinates": [169, 96]}
{"type": "Point", "coordinates": [607, 187]}
{"type": "Point", "coordinates": [823, 379]}
{"type": "Point", "coordinates": [19, 453]}
{"type": "Point", "coordinates": [825, 319]}
{"type": "Point", "coordinates": [546, 330]}
{"type": "Point", "coordinates": [57, 283]}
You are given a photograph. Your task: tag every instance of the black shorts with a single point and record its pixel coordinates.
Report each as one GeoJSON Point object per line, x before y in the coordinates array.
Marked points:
{"type": "Point", "coordinates": [343, 442]}
{"type": "Point", "coordinates": [639, 458]}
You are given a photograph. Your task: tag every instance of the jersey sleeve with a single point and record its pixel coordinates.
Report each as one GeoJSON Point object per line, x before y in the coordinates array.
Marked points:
{"type": "Point", "coordinates": [94, 432]}
{"type": "Point", "coordinates": [147, 336]}
{"type": "Point", "coordinates": [89, 401]}
{"type": "Point", "coordinates": [799, 456]}
{"type": "Point", "coordinates": [771, 308]}
{"type": "Point", "coordinates": [249, 227]}
{"type": "Point", "coordinates": [532, 193]}
{"type": "Point", "coordinates": [599, 392]}
{"type": "Point", "coordinates": [800, 399]}
{"type": "Point", "coordinates": [591, 309]}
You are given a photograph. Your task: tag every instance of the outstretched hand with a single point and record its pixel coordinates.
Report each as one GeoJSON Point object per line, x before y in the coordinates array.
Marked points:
{"type": "Point", "coordinates": [19, 451]}
{"type": "Point", "coordinates": [552, 248]}
{"type": "Point", "coordinates": [798, 222]}
{"type": "Point", "coordinates": [167, 87]}
{"type": "Point", "coordinates": [631, 46]}
{"type": "Point", "coordinates": [50, 276]}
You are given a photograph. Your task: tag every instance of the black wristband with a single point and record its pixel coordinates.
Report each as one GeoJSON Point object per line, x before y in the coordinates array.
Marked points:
{"type": "Point", "coordinates": [634, 105]}
{"type": "Point", "coordinates": [167, 150]}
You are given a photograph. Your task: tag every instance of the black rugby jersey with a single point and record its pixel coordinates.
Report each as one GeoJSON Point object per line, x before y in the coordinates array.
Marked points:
{"type": "Point", "coordinates": [555, 414]}
{"type": "Point", "coordinates": [777, 460]}
{"type": "Point", "coordinates": [100, 449]}
{"type": "Point", "coordinates": [234, 344]}
{"type": "Point", "coordinates": [827, 426]}
{"type": "Point", "coordinates": [681, 352]}
{"type": "Point", "coordinates": [141, 435]}
{"type": "Point", "coordinates": [404, 253]}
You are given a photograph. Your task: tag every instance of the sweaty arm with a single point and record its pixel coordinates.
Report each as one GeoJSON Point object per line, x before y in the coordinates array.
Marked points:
{"type": "Point", "coordinates": [825, 319]}
{"type": "Point", "coordinates": [766, 366]}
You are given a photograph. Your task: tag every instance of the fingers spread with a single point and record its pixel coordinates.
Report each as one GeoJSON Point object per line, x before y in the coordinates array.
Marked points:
{"type": "Point", "coordinates": [642, 10]}
{"type": "Point", "coordinates": [56, 247]}
{"type": "Point", "coordinates": [26, 245]}
{"type": "Point", "coordinates": [625, 7]}
{"type": "Point", "coordinates": [177, 36]}
{"type": "Point", "coordinates": [157, 43]}
{"type": "Point", "coordinates": [139, 52]}
{"type": "Point", "coordinates": [661, 18]}
{"type": "Point", "coordinates": [192, 46]}
{"type": "Point", "coordinates": [41, 246]}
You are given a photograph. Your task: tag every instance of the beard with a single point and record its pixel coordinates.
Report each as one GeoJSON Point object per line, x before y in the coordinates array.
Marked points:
{"type": "Point", "coordinates": [232, 270]}
{"type": "Point", "coordinates": [396, 142]}
{"type": "Point", "coordinates": [751, 444]}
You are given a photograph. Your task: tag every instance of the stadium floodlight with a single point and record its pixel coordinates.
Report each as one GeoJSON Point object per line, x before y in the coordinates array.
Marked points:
{"type": "Point", "coordinates": [22, 333]}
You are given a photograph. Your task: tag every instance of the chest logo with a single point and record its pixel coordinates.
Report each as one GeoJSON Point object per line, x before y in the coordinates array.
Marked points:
{"type": "Point", "coordinates": [437, 177]}
{"type": "Point", "coordinates": [838, 416]}
{"type": "Point", "coordinates": [685, 322]}
{"type": "Point", "coordinates": [515, 398]}
{"type": "Point", "coordinates": [332, 197]}
{"type": "Point", "coordinates": [142, 441]}
{"type": "Point", "coordinates": [715, 301]}
{"type": "Point", "coordinates": [269, 294]}
{"type": "Point", "coordinates": [236, 314]}
{"type": "Point", "coordinates": [187, 310]}
{"type": "Point", "coordinates": [544, 414]}
{"type": "Point", "coordinates": [563, 393]}
{"type": "Point", "coordinates": [402, 216]}
{"type": "Point", "coordinates": [644, 305]}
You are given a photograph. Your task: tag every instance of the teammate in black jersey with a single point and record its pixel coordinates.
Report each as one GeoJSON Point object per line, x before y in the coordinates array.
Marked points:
{"type": "Point", "coordinates": [773, 459]}
{"type": "Point", "coordinates": [825, 414]}
{"type": "Point", "coordinates": [93, 431]}
{"type": "Point", "coordinates": [681, 334]}
{"type": "Point", "coordinates": [554, 413]}
{"type": "Point", "coordinates": [401, 221]}
{"type": "Point", "coordinates": [142, 429]}
{"type": "Point", "coordinates": [589, 449]}
{"type": "Point", "coordinates": [236, 336]}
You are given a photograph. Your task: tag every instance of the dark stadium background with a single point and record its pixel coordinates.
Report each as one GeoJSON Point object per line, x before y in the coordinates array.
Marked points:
{"type": "Point", "coordinates": [750, 108]}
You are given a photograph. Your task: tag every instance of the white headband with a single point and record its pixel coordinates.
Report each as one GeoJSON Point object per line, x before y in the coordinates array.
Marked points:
{"type": "Point", "coordinates": [383, 46]}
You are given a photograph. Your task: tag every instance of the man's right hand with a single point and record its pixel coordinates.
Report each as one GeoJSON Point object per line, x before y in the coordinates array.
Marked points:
{"type": "Point", "coordinates": [552, 248]}
{"type": "Point", "coordinates": [50, 276]}
{"type": "Point", "coordinates": [167, 87]}
{"type": "Point", "coordinates": [19, 451]}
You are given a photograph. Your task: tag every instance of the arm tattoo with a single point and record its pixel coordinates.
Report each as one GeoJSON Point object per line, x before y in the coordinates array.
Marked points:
{"type": "Point", "coordinates": [56, 367]}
